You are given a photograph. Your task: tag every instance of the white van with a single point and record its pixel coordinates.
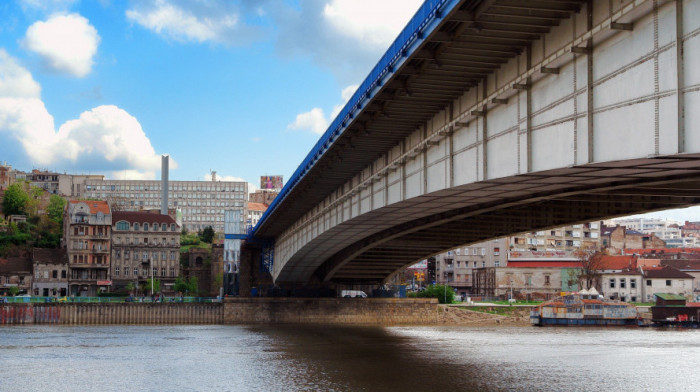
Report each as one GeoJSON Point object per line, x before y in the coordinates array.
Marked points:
{"type": "Point", "coordinates": [353, 294]}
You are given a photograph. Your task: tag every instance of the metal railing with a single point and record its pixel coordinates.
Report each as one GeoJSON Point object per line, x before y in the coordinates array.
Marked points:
{"type": "Point", "coordinates": [147, 299]}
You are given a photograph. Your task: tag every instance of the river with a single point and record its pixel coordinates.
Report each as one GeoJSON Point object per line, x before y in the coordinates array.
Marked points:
{"type": "Point", "coordinates": [322, 358]}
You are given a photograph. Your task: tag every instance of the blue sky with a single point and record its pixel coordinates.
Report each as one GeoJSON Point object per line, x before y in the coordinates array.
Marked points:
{"type": "Point", "coordinates": [243, 88]}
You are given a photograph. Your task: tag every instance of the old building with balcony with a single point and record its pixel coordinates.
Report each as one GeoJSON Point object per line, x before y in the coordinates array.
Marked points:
{"type": "Point", "coordinates": [144, 245]}
{"type": "Point", "coordinates": [15, 271]}
{"type": "Point", "coordinates": [87, 233]}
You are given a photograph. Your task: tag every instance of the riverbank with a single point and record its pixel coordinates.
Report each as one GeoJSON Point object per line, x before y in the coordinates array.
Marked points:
{"type": "Point", "coordinates": [484, 316]}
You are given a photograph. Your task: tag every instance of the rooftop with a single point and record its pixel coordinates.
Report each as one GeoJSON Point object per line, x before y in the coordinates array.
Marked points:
{"type": "Point", "coordinates": [94, 205]}
{"type": "Point", "coordinates": [141, 217]}
{"type": "Point", "coordinates": [666, 273]}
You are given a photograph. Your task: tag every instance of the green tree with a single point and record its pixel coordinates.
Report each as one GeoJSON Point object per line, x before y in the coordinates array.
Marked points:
{"type": "Point", "coordinates": [55, 208]}
{"type": "Point", "coordinates": [186, 286]}
{"type": "Point", "coordinates": [444, 294]}
{"type": "Point", "coordinates": [207, 235]}
{"type": "Point", "coordinates": [156, 285]}
{"type": "Point", "coordinates": [14, 290]}
{"type": "Point", "coordinates": [15, 200]}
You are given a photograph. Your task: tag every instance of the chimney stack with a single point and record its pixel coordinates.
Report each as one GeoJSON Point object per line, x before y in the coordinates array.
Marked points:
{"type": "Point", "coordinates": [164, 163]}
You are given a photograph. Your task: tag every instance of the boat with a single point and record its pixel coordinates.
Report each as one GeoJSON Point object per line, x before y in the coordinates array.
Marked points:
{"type": "Point", "coordinates": [584, 308]}
{"type": "Point", "coordinates": [673, 310]}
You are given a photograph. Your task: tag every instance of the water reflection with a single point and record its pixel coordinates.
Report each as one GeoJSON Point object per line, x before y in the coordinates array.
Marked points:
{"type": "Point", "coordinates": [290, 358]}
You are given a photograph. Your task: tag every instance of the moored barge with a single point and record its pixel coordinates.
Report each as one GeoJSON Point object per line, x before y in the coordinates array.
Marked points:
{"type": "Point", "coordinates": [585, 308]}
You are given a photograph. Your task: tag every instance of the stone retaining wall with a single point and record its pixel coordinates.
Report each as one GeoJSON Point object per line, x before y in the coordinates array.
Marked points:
{"type": "Point", "coordinates": [371, 311]}
{"type": "Point", "coordinates": [349, 311]}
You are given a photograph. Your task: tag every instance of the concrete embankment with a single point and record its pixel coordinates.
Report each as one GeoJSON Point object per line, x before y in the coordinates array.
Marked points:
{"type": "Point", "coordinates": [341, 311]}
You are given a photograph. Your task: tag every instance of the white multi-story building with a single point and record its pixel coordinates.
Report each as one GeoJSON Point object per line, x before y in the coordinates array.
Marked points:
{"type": "Point", "coordinates": [202, 203]}
{"type": "Point", "coordinates": [568, 238]}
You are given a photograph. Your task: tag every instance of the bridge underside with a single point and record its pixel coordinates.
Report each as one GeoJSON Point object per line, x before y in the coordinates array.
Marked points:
{"type": "Point", "coordinates": [393, 237]}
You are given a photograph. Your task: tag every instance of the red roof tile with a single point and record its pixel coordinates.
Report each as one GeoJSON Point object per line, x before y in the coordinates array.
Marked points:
{"type": "Point", "coordinates": [95, 206]}
{"type": "Point", "coordinates": [618, 262]}
{"type": "Point", "coordinates": [140, 217]}
{"type": "Point", "coordinates": [666, 273]}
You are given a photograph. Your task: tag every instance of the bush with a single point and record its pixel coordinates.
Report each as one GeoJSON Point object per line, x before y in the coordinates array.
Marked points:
{"type": "Point", "coordinates": [439, 291]}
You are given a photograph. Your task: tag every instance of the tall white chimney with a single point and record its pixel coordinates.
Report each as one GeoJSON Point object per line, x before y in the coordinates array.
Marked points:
{"type": "Point", "coordinates": [164, 163]}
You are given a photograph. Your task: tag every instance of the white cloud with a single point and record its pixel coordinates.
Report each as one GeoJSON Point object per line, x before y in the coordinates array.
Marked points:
{"type": "Point", "coordinates": [66, 43]}
{"type": "Point", "coordinates": [315, 120]}
{"type": "Point", "coordinates": [104, 139]}
{"type": "Point", "coordinates": [210, 21]}
{"type": "Point", "coordinates": [370, 22]}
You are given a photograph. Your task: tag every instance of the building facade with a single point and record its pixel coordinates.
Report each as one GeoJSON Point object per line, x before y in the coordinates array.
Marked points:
{"type": "Point", "coordinates": [202, 203]}
{"type": "Point", "coordinates": [456, 267]}
{"type": "Point", "coordinates": [584, 235]}
{"type": "Point", "coordinates": [144, 245]}
{"type": "Point", "coordinates": [50, 272]}
{"type": "Point", "coordinates": [87, 236]}
{"type": "Point", "coordinates": [15, 271]}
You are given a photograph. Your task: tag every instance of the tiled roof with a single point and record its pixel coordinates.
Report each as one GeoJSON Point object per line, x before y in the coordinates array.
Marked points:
{"type": "Point", "coordinates": [626, 272]}
{"type": "Point", "coordinates": [691, 225]}
{"type": "Point", "coordinates": [49, 256]}
{"type": "Point", "coordinates": [15, 264]}
{"type": "Point", "coordinates": [666, 273]}
{"type": "Point", "coordinates": [544, 264]}
{"type": "Point", "coordinates": [618, 262]}
{"type": "Point", "coordinates": [257, 207]}
{"type": "Point", "coordinates": [140, 217]}
{"type": "Point", "coordinates": [633, 232]}
{"type": "Point", "coordinates": [95, 206]}
{"type": "Point", "coordinates": [683, 265]}
{"type": "Point", "coordinates": [661, 250]}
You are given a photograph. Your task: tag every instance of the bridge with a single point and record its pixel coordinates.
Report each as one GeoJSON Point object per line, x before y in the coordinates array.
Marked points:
{"type": "Point", "coordinates": [491, 117]}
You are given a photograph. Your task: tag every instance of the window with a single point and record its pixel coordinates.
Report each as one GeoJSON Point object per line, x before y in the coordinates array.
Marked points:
{"type": "Point", "coordinates": [546, 280]}
{"type": "Point", "coordinates": [155, 272]}
{"type": "Point", "coordinates": [612, 283]}
{"type": "Point", "coordinates": [55, 274]}
{"type": "Point", "coordinates": [145, 227]}
{"type": "Point", "coordinates": [172, 227]}
{"type": "Point", "coordinates": [623, 283]}
{"type": "Point", "coordinates": [483, 251]}
{"type": "Point", "coordinates": [633, 285]}
{"type": "Point", "coordinates": [122, 225]}
{"type": "Point", "coordinates": [136, 271]}
{"type": "Point", "coordinates": [126, 271]}
{"type": "Point", "coordinates": [116, 271]}
{"type": "Point", "coordinates": [668, 282]}
{"type": "Point", "coordinates": [162, 272]}
{"type": "Point", "coordinates": [497, 263]}
{"type": "Point", "coordinates": [155, 227]}
{"type": "Point", "coordinates": [633, 299]}
{"type": "Point", "coordinates": [483, 264]}
{"type": "Point", "coordinates": [163, 227]}
{"type": "Point", "coordinates": [496, 251]}
{"type": "Point", "coordinates": [474, 253]}
{"type": "Point", "coordinates": [136, 227]}
{"type": "Point", "coordinates": [63, 274]}
{"type": "Point", "coordinates": [475, 264]}
{"type": "Point", "coordinates": [172, 271]}
{"type": "Point", "coordinates": [648, 282]}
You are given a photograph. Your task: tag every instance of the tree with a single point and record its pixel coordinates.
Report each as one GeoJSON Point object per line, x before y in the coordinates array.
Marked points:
{"type": "Point", "coordinates": [156, 285]}
{"type": "Point", "coordinates": [207, 235]}
{"type": "Point", "coordinates": [444, 294]}
{"type": "Point", "coordinates": [14, 290]}
{"type": "Point", "coordinates": [55, 208]}
{"type": "Point", "coordinates": [15, 200]}
{"type": "Point", "coordinates": [186, 286]}
{"type": "Point", "coordinates": [591, 267]}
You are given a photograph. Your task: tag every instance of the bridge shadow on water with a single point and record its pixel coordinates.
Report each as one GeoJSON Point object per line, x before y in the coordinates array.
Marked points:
{"type": "Point", "coordinates": [367, 359]}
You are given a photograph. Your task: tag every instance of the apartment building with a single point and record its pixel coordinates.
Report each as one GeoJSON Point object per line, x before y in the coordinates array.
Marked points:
{"type": "Point", "coordinates": [87, 234]}
{"type": "Point", "coordinates": [202, 203]}
{"type": "Point", "coordinates": [456, 267]}
{"type": "Point", "coordinates": [144, 245]}
{"type": "Point", "coordinates": [569, 238]}
{"type": "Point", "coordinates": [50, 272]}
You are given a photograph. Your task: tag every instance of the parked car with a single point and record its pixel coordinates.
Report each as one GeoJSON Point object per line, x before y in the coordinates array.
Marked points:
{"type": "Point", "coordinates": [353, 294]}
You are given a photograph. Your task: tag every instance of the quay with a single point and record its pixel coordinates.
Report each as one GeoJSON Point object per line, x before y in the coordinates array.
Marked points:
{"type": "Point", "coordinates": [338, 311]}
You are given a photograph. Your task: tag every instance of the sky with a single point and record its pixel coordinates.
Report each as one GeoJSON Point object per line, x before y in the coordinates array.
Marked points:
{"type": "Point", "coordinates": [241, 87]}
{"type": "Point", "coordinates": [244, 88]}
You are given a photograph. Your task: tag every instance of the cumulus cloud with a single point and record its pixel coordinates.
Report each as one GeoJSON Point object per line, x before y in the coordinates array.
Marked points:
{"type": "Point", "coordinates": [315, 120]}
{"type": "Point", "coordinates": [66, 43]}
{"type": "Point", "coordinates": [105, 138]}
{"type": "Point", "coordinates": [346, 37]}
{"type": "Point", "coordinates": [187, 21]}
{"type": "Point", "coordinates": [373, 23]}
